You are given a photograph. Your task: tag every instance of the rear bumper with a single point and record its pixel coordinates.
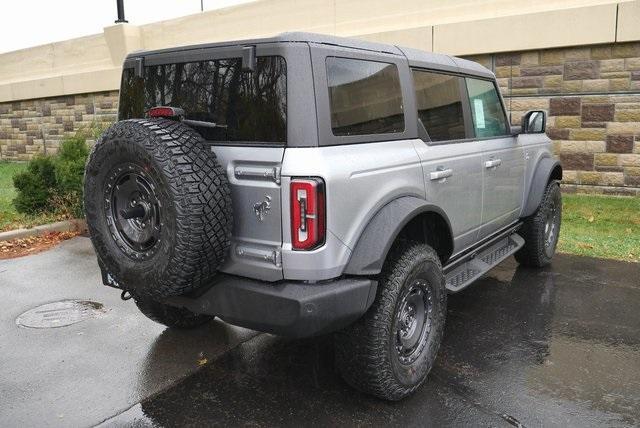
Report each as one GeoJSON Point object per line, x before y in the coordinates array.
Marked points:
{"type": "Point", "coordinates": [294, 309]}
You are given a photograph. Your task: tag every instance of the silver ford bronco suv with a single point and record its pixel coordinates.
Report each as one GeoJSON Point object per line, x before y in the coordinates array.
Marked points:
{"type": "Point", "coordinates": [305, 184]}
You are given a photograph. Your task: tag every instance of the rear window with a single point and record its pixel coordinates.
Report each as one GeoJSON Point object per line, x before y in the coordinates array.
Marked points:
{"type": "Point", "coordinates": [364, 96]}
{"type": "Point", "coordinates": [230, 104]}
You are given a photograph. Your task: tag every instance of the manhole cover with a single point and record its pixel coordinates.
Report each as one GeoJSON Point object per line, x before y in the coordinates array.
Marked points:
{"type": "Point", "coordinates": [60, 314]}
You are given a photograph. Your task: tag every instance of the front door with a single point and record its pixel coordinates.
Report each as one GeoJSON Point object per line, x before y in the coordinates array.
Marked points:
{"type": "Point", "coordinates": [502, 160]}
{"type": "Point", "coordinates": [503, 163]}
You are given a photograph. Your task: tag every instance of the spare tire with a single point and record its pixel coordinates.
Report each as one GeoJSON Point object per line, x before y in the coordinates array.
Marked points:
{"type": "Point", "coordinates": [158, 207]}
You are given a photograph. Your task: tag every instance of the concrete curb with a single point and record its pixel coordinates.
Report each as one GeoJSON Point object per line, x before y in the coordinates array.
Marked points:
{"type": "Point", "coordinates": [74, 225]}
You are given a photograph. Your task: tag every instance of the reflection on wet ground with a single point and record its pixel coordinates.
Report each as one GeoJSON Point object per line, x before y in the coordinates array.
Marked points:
{"type": "Point", "coordinates": [89, 368]}
{"type": "Point", "coordinates": [552, 347]}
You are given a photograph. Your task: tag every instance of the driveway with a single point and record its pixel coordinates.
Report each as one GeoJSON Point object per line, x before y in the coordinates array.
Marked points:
{"type": "Point", "coordinates": [554, 347]}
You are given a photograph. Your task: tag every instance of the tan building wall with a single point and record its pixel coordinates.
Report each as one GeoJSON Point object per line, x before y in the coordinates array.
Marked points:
{"type": "Point", "coordinates": [459, 27]}
{"type": "Point", "coordinates": [541, 51]}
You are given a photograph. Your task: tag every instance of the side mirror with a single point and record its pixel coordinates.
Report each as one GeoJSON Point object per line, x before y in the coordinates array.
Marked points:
{"type": "Point", "coordinates": [534, 122]}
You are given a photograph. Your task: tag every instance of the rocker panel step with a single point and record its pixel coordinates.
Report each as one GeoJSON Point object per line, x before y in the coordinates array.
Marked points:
{"type": "Point", "coordinates": [478, 264]}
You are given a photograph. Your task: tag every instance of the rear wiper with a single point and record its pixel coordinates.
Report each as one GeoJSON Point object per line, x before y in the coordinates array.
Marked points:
{"type": "Point", "coordinates": [202, 123]}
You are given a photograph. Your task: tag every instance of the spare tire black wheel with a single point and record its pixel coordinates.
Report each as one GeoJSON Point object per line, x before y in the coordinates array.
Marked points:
{"type": "Point", "coordinates": [158, 207]}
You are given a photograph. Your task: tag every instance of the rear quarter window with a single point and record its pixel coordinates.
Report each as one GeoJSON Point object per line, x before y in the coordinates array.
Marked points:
{"type": "Point", "coordinates": [365, 97]}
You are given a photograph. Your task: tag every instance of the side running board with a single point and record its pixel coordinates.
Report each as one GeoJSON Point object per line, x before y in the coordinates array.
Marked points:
{"type": "Point", "coordinates": [465, 273]}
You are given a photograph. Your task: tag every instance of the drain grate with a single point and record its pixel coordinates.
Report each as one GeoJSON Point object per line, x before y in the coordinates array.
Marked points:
{"type": "Point", "coordinates": [60, 314]}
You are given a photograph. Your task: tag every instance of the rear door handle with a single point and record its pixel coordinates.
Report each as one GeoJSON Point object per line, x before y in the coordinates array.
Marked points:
{"type": "Point", "coordinates": [492, 163]}
{"type": "Point", "coordinates": [440, 174]}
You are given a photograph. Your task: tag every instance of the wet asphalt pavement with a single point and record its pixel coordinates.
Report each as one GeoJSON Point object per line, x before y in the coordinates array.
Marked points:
{"type": "Point", "coordinates": [554, 347]}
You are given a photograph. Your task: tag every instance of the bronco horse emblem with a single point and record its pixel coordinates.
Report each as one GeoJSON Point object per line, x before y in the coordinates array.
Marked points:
{"type": "Point", "coordinates": [261, 208]}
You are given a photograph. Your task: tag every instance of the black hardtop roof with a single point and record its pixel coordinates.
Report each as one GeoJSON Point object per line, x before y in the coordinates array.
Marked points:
{"type": "Point", "coordinates": [415, 57]}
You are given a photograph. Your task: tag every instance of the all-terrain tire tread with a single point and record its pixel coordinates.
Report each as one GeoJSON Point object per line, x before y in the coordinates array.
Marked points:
{"type": "Point", "coordinates": [199, 189]}
{"type": "Point", "coordinates": [532, 253]}
{"type": "Point", "coordinates": [362, 350]}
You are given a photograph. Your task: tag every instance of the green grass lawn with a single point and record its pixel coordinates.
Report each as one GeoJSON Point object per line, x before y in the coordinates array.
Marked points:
{"type": "Point", "coordinates": [8, 213]}
{"type": "Point", "coordinates": [9, 217]}
{"type": "Point", "coordinates": [601, 226]}
{"type": "Point", "coordinates": [7, 192]}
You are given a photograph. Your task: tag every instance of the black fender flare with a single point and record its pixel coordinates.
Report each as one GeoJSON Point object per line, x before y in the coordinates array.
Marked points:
{"type": "Point", "coordinates": [544, 169]}
{"type": "Point", "coordinates": [376, 239]}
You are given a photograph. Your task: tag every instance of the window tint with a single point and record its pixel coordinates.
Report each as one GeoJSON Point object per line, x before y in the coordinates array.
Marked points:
{"type": "Point", "coordinates": [488, 117]}
{"type": "Point", "coordinates": [439, 104]}
{"type": "Point", "coordinates": [365, 97]}
{"type": "Point", "coordinates": [131, 104]}
{"type": "Point", "coordinates": [233, 105]}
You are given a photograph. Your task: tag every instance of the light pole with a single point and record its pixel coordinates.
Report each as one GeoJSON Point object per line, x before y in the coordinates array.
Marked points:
{"type": "Point", "coordinates": [120, 5]}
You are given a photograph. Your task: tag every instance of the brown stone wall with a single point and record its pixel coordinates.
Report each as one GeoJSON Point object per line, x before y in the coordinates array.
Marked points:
{"type": "Point", "coordinates": [592, 98]}
{"type": "Point", "coordinates": [38, 126]}
{"type": "Point", "coordinates": [591, 94]}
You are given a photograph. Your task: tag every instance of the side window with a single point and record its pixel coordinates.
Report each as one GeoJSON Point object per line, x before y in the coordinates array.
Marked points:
{"type": "Point", "coordinates": [439, 102]}
{"type": "Point", "coordinates": [364, 97]}
{"type": "Point", "coordinates": [488, 117]}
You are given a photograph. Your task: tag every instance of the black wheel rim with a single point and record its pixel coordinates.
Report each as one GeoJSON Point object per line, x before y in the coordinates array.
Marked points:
{"type": "Point", "coordinates": [133, 210]}
{"type": "Point", "coordinates": [552, 225]}
{"type": "Point", "coordinates": [413, 321]}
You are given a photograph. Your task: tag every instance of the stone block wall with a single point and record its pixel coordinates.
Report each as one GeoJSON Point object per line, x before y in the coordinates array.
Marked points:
{"type": "Point", "coordinates": [37, 126]}
{"type": "Point", "coordinates": [591, 95]}
{"type": "Point", "coordinates": [592, 98]}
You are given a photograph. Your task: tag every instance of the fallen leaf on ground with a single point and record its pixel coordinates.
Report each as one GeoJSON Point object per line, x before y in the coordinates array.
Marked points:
{"type": "Point", "coordinates": [202, 360]}
{"type": "Point", "coordinates": [33, 244]}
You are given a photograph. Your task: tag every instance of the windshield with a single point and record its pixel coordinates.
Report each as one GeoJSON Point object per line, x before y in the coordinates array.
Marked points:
{"type": "Point", "coordinates": [223, 102]}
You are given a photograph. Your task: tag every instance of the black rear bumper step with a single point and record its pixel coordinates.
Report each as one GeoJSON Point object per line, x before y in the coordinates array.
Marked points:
{"type": "Point", "coordinates": [293, 309]}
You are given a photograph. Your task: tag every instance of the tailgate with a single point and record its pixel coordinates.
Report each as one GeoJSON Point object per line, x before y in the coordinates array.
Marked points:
{"type": "Point", "coordinates": [254, 177]}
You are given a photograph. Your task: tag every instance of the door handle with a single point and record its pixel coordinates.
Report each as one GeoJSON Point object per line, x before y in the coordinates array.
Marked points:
{"type": "Point", "coordinates": [492, 163]}
{"type": "Point", "coordinates": [440, 174]}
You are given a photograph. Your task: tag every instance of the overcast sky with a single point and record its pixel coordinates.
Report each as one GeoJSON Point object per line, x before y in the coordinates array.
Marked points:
{"type": "Point", "coordinates": [27, 23]}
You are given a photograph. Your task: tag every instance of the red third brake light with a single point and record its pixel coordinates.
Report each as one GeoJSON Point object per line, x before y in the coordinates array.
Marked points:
{"type": "Point", "coordinates": [307, 213]}
{"type": "Point", "coordinates": [166, 112]}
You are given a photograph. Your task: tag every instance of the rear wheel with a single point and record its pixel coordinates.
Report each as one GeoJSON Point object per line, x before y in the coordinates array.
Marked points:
{"type": "Point", "coordinates": [541, 230]}
{"type": "Point", "coordinates": [389, 352]}
{"type": "Point", "coordinates": [171, 316]}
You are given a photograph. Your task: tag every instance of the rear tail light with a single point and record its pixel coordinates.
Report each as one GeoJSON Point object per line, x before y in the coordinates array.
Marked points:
{"type": "Point", "coordinates": [307, 213]}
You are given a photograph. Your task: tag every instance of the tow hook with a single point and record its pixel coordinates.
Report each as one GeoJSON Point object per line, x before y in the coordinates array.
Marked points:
{"type": "Point", "coordinates": [125, 295]}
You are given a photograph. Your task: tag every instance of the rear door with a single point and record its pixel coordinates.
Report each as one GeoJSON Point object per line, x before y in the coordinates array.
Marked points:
{"type": "Point", "coordinates": [451, 162]}
{"type": "Point", "coordinates": [503, 157]}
